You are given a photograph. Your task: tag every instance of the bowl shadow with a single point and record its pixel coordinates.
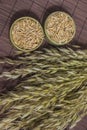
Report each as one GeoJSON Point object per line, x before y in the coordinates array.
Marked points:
{"type": "Point", "coordinates": [23, 13]}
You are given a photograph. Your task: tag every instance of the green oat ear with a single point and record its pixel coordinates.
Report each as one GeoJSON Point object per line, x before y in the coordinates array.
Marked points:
{"type": "Point", "coordinates": [51, 93]}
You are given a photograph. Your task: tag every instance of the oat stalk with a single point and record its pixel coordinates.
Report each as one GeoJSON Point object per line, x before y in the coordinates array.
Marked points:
{"type": "Point", "coordinates": [51, 93]}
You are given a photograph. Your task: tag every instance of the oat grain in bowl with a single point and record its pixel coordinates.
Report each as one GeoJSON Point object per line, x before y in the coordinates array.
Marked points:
{"type": "Point", "coordinates": [59, 28]}
{"type": "Point", "coordinates": [26, 34]}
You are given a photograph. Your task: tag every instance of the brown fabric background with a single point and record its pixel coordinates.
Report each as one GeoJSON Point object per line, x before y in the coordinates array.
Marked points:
{"type": "Point", "coordinates": [39, 9]}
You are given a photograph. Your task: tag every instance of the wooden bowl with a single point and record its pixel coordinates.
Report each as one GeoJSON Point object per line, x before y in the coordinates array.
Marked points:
{"type": "Point", "coordinates": [59, 28]}
{"type": "Point", "coordinates": [26, 34]}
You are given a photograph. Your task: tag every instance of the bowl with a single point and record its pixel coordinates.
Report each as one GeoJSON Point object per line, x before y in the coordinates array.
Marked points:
{"type": "Point", "coordinates": [59, 28]}
{"type": "Point", "coordinates": [26, 34]}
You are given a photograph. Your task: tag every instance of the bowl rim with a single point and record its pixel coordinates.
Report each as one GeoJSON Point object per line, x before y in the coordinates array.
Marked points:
{"type": "Point", "coordinates": [12, 41]}
{"type": "Point", "coordinates": [47, 36]}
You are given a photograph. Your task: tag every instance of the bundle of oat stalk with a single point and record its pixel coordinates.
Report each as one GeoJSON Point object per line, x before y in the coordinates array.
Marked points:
{"type": "Point", "coordinates": [51, 92]}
